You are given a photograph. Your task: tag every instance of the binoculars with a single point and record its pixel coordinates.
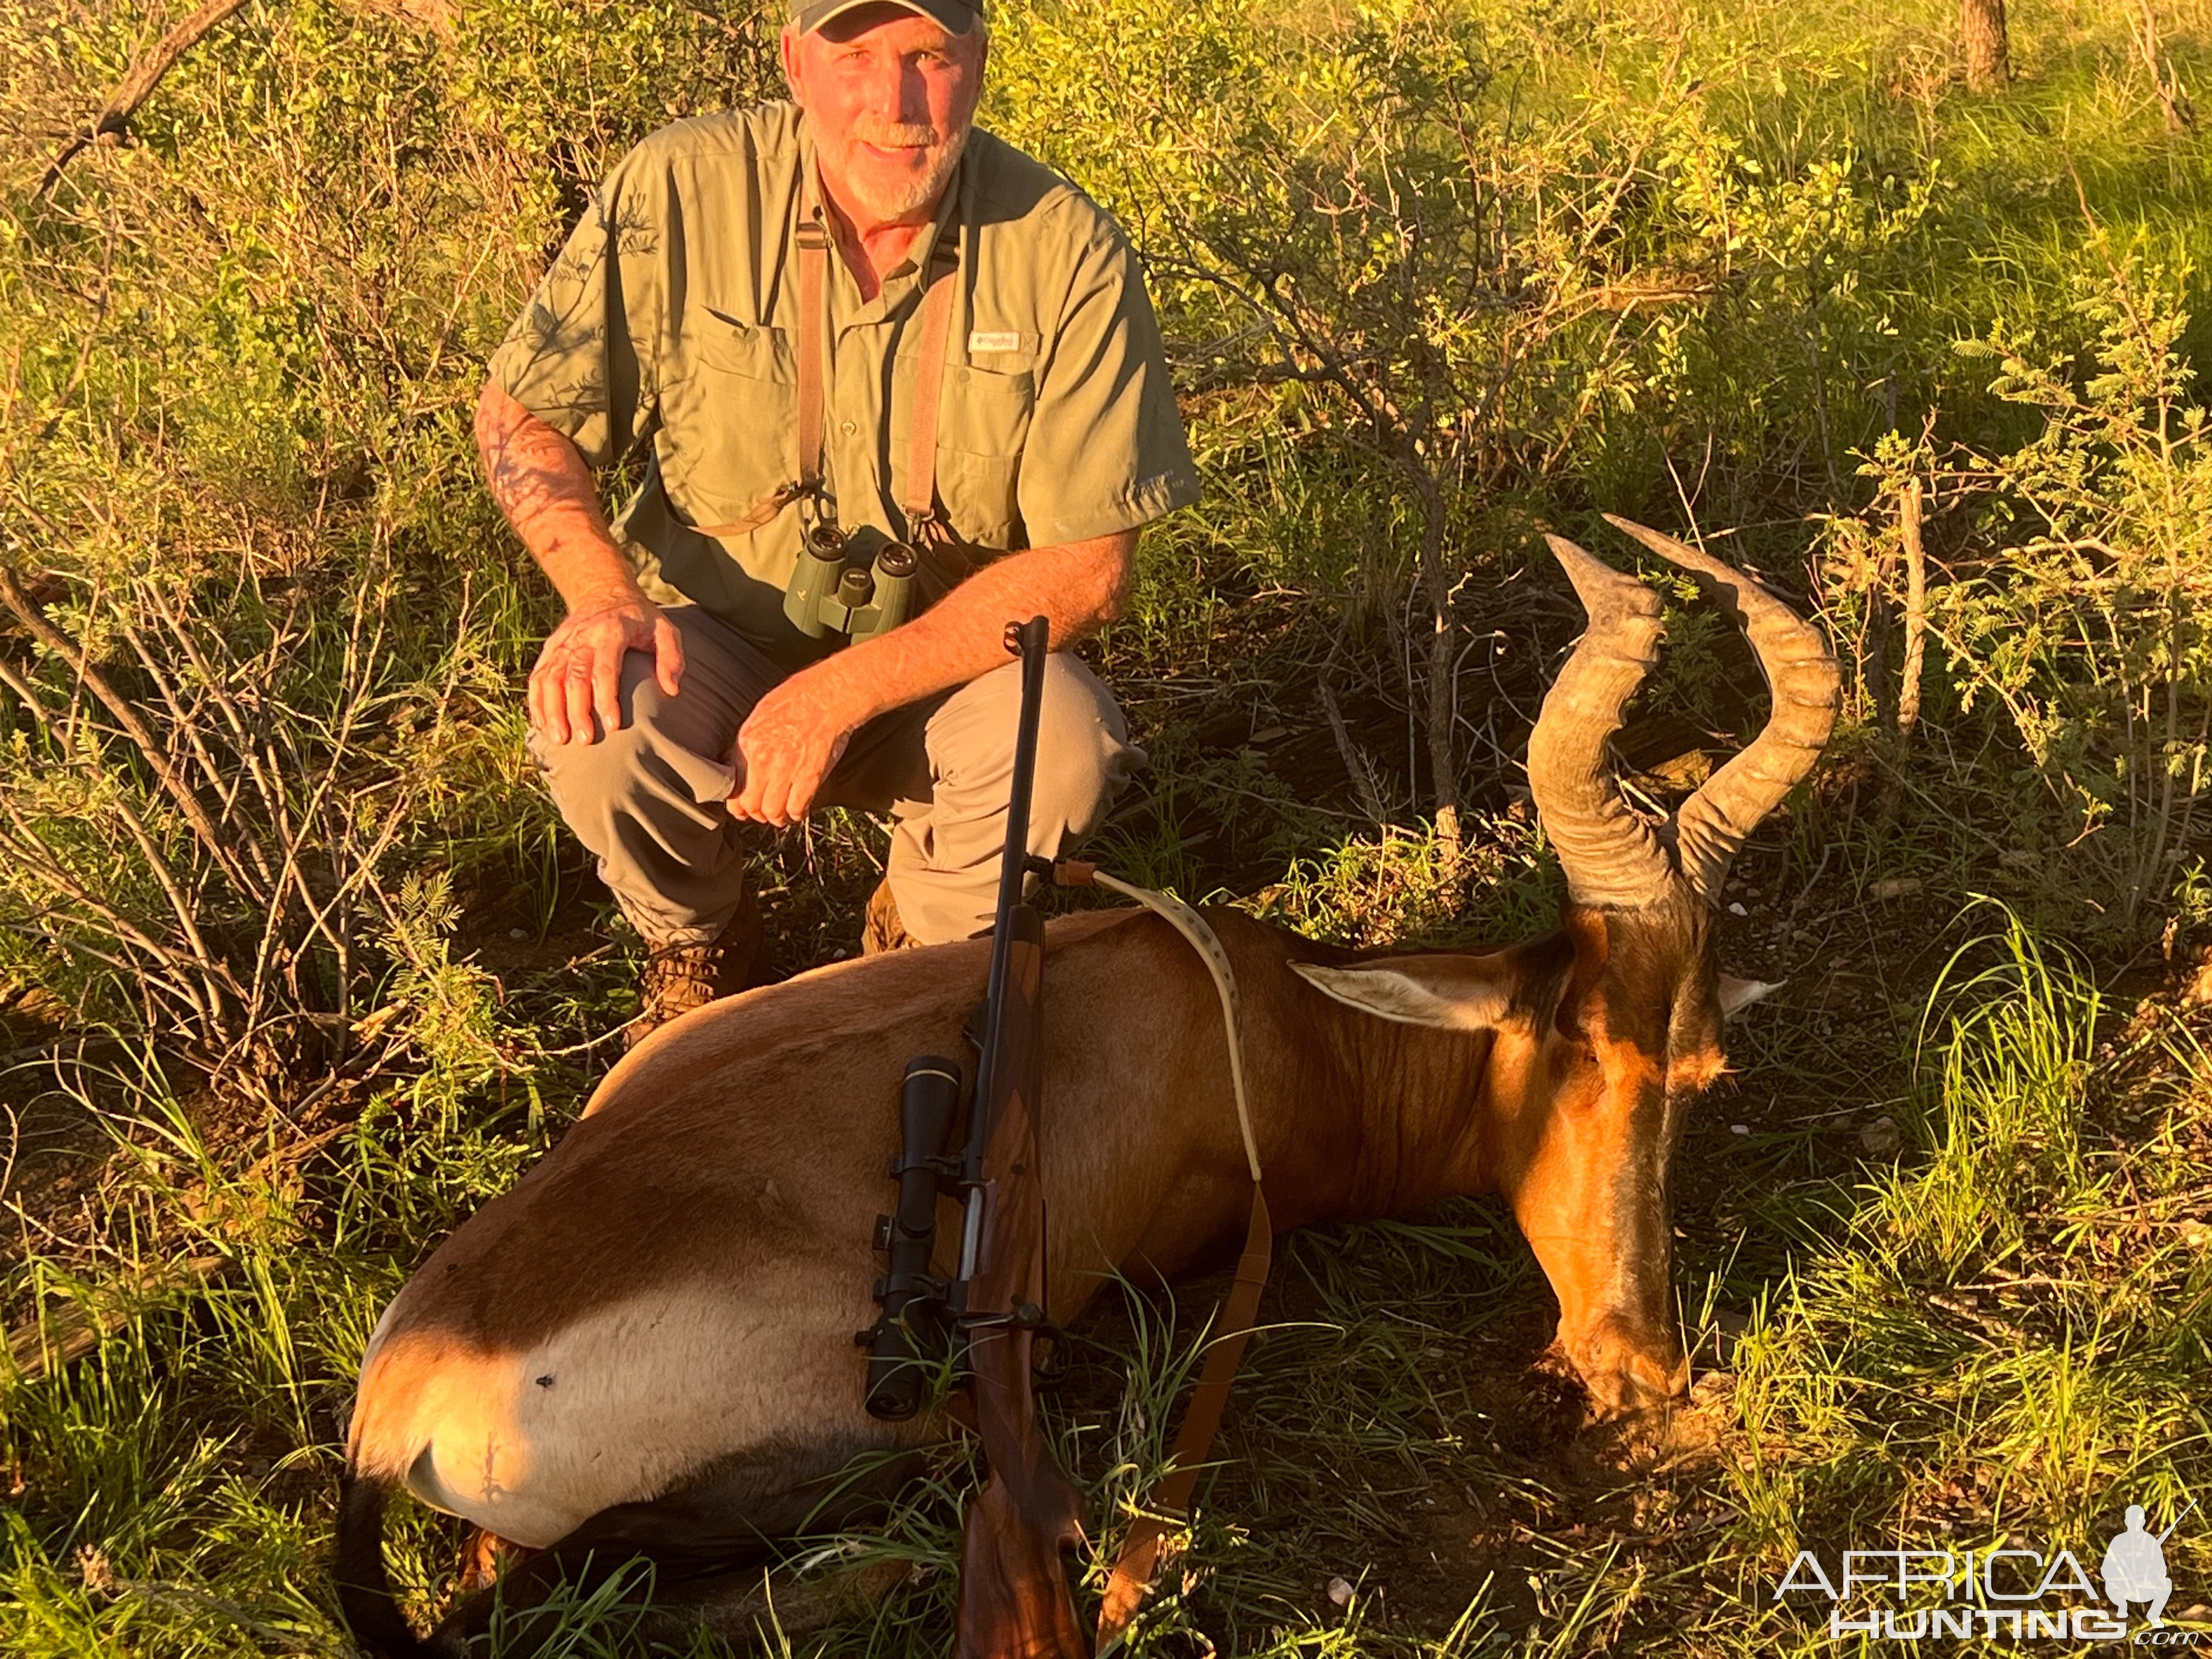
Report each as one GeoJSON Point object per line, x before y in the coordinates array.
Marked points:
{"type": "Point", "coordinates": [830, 593]}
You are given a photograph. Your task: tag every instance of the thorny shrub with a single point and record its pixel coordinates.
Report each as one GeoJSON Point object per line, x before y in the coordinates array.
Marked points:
{"type": "Point", "coordinates": [2071, 598]}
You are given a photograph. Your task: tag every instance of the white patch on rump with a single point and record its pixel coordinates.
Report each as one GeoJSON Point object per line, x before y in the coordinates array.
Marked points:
{"type": "Point", "coordinates": [616, 1407]}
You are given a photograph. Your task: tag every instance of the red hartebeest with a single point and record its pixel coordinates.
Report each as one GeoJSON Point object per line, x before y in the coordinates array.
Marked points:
{"type": "Point", "coordinates": [647, 1345]}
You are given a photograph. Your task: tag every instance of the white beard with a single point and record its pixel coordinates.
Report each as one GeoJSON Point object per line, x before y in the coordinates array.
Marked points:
{"type": "Point", "coordinates": [911, 195]}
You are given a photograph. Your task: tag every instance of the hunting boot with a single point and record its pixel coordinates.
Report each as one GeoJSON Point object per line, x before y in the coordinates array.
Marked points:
{"type": "Point", "coordinates": [883, 930]}
{"type": "Point", "coordinates": [679, 978]}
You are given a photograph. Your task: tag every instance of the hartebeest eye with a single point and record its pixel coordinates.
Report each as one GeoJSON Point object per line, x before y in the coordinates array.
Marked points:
{"type": "Point", "coordinates": [1459, 993]}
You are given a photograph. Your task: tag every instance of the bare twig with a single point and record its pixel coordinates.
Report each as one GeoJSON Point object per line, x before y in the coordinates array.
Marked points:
{"type": "Point", "coordinates": [157, 753]}
{"type": "Point", "coordinates": [138, 85]}
{"type": "Point", "coordinates": [2164, 84]}
{"type": "Point", "coordinates": [1915, 614]}
{"type": "Point", "coordinates": [216, 973]}
{"type": "Point", "coordinates": [1356, 763]}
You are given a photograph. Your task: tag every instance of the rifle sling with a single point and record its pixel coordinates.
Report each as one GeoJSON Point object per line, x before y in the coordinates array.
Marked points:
{"type": "Point", "coordinates": [1168, 1504]}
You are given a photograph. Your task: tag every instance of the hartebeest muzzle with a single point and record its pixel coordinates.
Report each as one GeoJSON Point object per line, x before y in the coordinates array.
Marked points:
{"type": "Point", "coordinates": [647, 1346]}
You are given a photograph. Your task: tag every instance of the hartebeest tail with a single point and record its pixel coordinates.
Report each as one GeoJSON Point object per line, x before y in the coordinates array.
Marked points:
{"type": "Point", "coordinates": [647, 1346]}
{"type": "Point", "coordinates": [364, 1588]}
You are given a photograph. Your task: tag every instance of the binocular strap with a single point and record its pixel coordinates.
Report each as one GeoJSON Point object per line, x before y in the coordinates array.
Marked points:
{"type": "Point", "coordinates": [919, 501]}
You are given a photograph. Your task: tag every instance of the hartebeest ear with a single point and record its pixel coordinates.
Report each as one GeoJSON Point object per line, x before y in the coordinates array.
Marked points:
{"type": "Point", "coordinates": [1738, 994]}
{"type": "Point", "coordinates": [1460, 993]}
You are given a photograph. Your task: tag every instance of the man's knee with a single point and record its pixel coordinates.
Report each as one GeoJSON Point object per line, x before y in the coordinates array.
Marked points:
{"type": "Point", "coordinates": [584, 778]}
{"type": "Point", "coordinates": [647, 764]}
{"type": "Point", "coordinates": [1083, 754]}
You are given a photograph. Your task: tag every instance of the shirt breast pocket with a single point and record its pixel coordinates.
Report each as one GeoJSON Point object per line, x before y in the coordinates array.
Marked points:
{"type": "Point", "coordinates": [729, 426]}
{"type": "Point", "coordinates": [986, 425]}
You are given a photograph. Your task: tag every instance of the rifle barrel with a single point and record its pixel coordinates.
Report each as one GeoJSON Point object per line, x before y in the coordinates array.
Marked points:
{"type": "Point", "coordinates": [2178, 1520]}
{"type": "Point", "coordinates": [1030, 640]}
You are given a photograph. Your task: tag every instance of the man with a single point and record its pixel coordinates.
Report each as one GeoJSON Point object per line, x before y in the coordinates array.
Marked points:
{"type": "Point", "coordinates": [2134, 1568]}
{"type": "Point", "coordinates": [766, 299]}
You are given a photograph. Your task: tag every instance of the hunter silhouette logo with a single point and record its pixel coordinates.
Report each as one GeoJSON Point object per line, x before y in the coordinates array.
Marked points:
{"type": "Point", "coordinates": [2134, 1567]}
{"type": "Point", "coordinates": [2009, 1592]}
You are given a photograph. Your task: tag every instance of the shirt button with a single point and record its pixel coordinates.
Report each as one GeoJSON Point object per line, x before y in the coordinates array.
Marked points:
{"type": "Point", "coordinates": [847, 428]}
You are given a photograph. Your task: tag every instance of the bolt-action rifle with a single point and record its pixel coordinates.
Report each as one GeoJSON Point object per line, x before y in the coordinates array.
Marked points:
{"type": "Point", "coordinates": [1014, 1597]}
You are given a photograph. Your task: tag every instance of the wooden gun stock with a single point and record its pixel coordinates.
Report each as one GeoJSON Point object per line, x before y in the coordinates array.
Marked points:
{"type": "Point", "coordinates": [1014, 1597]}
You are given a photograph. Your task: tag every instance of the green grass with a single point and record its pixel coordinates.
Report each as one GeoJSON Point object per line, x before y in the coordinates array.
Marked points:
{"type": "Point", "coordinates": [1995, 1337]}
{"type": "Point", "coordinates": [1942, 1235]}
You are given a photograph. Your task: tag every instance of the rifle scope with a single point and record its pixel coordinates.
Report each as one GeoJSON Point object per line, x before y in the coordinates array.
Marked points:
{"type": "Point", "coordinates": [912, 1331]}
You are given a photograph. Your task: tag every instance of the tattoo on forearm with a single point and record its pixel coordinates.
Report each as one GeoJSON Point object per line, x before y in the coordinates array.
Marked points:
{"type": "Point", "coordinates": [527, 477]}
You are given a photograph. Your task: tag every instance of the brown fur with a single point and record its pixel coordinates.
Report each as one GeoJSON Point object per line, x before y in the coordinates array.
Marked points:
{"type": "Point", "coordinates": [649, 1338]}
{"type": "Point", "coordinates": [646, 1344]}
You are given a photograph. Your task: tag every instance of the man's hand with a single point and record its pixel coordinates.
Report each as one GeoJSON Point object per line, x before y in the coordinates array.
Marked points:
{"type": "Point", "coordinates": [578, 672]}
{"type": "Point", "coordinates": [788, 744]}
{"type": "Point", "coordinates": [798, 733]}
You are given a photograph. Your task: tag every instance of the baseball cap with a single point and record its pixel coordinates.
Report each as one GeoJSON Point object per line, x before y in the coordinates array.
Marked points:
{"type": "Point", "coordinates": [957, 16]}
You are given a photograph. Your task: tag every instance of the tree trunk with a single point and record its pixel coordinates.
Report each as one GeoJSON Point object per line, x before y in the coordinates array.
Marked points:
{"type": "Point", "coordinates": [1982, 34]}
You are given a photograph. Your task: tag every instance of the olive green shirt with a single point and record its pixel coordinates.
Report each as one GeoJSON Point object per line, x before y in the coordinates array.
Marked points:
{"type": "Point", "coordinates": [671, 316]}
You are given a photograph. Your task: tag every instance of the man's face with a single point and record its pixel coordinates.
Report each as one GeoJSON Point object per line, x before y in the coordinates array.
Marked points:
{"type": "Point", "coordinates": [891, 95]}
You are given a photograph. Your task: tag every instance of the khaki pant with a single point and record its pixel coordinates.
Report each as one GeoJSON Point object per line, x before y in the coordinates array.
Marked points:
{"type": "Point", "coordinates": [649, 799]}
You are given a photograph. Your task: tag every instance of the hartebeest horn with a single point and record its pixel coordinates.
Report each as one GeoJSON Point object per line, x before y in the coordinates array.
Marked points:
{"type": "Point", "coordinates": [1711, 827]}
{"type": "Point", "coordinates": [1613, 859]}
